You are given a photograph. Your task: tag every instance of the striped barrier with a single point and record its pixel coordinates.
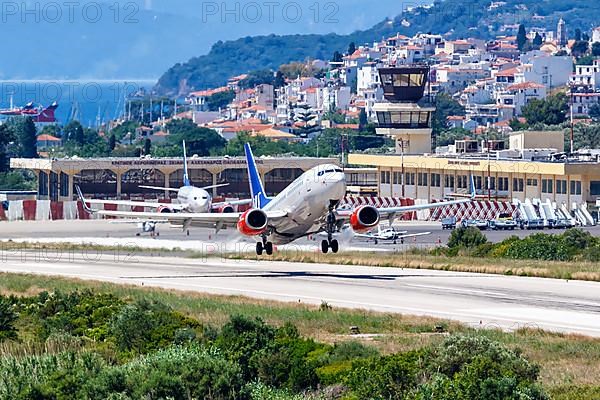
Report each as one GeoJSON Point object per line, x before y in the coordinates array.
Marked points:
{"type": "Point", "coordinates": [482, 209]}
{"type": "Point", "coordinates": [29, 210]}
{"type": "Point", "coordinates": [382, 202]}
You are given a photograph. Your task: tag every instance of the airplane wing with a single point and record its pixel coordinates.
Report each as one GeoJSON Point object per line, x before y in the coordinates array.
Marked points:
{"type": "Point", "coordinates": [232, 203]}
{"type": "Point", "coordinates": [390, 213]}
{"type": "Point", "coordinates": [127, 203]}
{"type": "Point", "coordinates": [208, 220]}
{"type": "Point", "coordinates": [203, 220]}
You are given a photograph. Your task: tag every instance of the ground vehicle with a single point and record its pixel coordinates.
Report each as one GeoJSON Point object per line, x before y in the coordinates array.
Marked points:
{"type": "Point", "coordinates": [503, 222]}
{"type": "Point", "coordinates": [475, 223]}
{"type": "Point", "coordinates": [449, 223]}
{"type": "Point", "coordinates": [562, 223]}
{"type": "Point", "coordinates": [531, 224]}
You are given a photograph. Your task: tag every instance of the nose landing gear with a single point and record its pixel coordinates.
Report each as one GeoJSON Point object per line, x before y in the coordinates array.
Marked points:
{"type": "Point", "coordinates": [330, 227]}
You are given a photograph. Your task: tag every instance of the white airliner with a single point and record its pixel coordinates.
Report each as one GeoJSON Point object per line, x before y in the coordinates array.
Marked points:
{"type": "Point", "coordinates": [190, 199]}
{"type": "Point", "coordinates": [308, 206]}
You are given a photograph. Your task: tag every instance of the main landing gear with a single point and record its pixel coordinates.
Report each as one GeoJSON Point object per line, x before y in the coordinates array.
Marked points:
{"type": "Point", "coordinates": [331, 243]}
{"type": "Point", "coordinates": [264, 247]}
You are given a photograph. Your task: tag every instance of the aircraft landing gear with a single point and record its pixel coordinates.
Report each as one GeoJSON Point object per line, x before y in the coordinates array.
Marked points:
{"type": "Point", "coordinates": [264, 246]}
{"type": "Point", "coordinates": [330, 243]}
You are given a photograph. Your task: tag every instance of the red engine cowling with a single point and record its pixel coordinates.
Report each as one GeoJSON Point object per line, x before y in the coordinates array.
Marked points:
{"type": "Point", "coordinates": [364, 218]}
{"type": "Point", "coordinates": [164, 210]}
{"type": "Point", "coordinates": [226, 209]}
{"type": "Point", "coordinates": [252, 223]}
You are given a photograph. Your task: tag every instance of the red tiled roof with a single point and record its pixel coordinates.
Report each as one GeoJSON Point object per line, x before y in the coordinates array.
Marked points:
{"type": "Point", "coordinates": [525, 85]}
{"type": "Point", "coordinates": [47, 138]}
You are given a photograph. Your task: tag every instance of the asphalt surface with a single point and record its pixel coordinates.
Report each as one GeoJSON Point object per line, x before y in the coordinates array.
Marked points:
{"type": "Point", "coordinates": [479, 300]}
{"type": "Point", "coordinates": [121, 230]}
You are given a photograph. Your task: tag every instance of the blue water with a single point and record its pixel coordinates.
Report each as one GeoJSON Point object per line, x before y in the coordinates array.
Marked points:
{"type": "Point", "coordinates": [90, 102]}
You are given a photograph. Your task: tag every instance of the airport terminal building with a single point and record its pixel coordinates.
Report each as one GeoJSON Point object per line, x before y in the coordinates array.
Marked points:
{"type": "Point", "coordinates": [121, 177]}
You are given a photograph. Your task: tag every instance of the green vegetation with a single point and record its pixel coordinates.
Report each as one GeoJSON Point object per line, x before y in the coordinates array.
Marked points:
{"type": "Point", "coordinates": [93, 340]}
{"type": "Point", "coordinates": [220, 100]}
{"type": "Point", "coordinates": [549, 111]}
{"type": "Point", "coordinates": [573, 245]}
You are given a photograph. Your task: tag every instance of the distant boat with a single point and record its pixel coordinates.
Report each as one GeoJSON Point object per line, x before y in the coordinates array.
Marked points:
{"type": "Point", "coordinates": [27, 109]}
{"type": "Point", "coordinates": [37, 114]}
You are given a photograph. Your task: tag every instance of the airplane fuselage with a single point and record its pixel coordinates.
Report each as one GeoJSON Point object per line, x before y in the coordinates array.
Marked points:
{"type": "Point", "coordinates": [195, 199]}
{"type": "Point", "coordinates": [306, 202]}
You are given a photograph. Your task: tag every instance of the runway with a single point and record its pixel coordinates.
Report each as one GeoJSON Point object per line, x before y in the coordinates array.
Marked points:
{"type": "Point", "coordinates": [478, 300]}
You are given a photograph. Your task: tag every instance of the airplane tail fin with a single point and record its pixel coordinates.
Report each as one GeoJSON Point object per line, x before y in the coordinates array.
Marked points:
{"type": "Point", "coordinates": [259, 199]}
{"type": "Point", "coordinates": [186, 176]}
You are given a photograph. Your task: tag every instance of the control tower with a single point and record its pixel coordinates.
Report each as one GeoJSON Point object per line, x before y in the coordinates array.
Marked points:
{"type": "Point", "coordinates": [401, 117]}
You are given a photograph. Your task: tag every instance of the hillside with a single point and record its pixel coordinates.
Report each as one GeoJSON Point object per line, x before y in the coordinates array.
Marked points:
{"type": "Point", "coordinates": [453, 18]}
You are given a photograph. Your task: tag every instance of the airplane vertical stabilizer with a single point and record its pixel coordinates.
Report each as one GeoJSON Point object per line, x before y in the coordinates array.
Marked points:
{"type": "Point", "coordinates": [186, 176]}
{"type": "Point", "coordinates": [259, 198]}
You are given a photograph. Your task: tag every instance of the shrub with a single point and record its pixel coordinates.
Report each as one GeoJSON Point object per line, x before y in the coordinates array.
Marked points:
{"type": "Point", "coordinates": [8, 317]}
{"type": "Point", "coordinates": [475, 367]}
{"type": "Point", "coordinates": [466, 237]}
{"type": "Point", "coordinates": [77, 313]}
{"type": "Point", "coordinates": [242, 339]}
{"type": "Point", "coordinates": [390, 377]}
{"type": "Point", "coordinates": [145, 326]}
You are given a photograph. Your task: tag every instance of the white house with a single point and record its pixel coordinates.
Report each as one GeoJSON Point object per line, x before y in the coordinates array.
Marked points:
{"type": "Point", "coordinates": [550, 71]}
{"type": "Point", "coordinates": [587, 75]}
{"type": "Point", "coordinates": [519, 94]}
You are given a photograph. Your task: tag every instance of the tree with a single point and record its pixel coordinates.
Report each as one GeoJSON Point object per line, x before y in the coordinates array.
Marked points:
{"type": "Point", "coordinates": [220, 100]}
{"type": "Point", "coordinates": [585, 136]}
{"type": "Point", "coordinates": [279, 80]}
{"type": "Point", "coordinates": [550, 111]}
{"type": "Point", "coordinates": [596, 49]}
{"type": "Point", "coordinates": [337, 57]}
{"type": "Point", "coordinates": [255, 78]}
{"type": "Point", "coordinates": [450, 136]}
{"type": "Point", "coordinates": [73, 133]}
{"type": "Point", "coordinates": [363, 119]}
{"type": "Point", "coordinates": [351, 48]}
{"type": "Point", "coordinates": [27, 138]}
{"type": "Point", "coordinates": [580, 48]}
{"type": "Point", "coordinates": [6, 136]}
{"type": "Point", "coordinates": [147, 146]}
{"type": "Point", "coordinates": [445, 106]}
{"type": "Point", "coordinates": [537, 41]}
{"type": "Point", "coordinates": [112, 142]}
{"type": "Point", "coordinates": [577, 35]}
{"type": "Point", "coordinates": [521, 37]}
{"type": "Point", "coordinates": [200, 141]}
{"type": "Point", "coordinates": [466, 237]}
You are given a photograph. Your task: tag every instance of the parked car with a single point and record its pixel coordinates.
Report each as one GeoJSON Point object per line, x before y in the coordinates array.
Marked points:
{"type": "Point", "coordinates": [449, 223]}
{"type": "Point", "coordinates": [503, 222]}
{"type": "Point", "coordinates": [475, 223]}
{"type": "Point", "coordinates": [531, 224]}
{"type": "Point", "coordinates": [562, 223]}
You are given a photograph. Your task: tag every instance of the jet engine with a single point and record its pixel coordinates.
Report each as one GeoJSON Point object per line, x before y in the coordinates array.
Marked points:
{"type": "Point", "coordinates": [364, 218]}
{"type": "Point", "coordinates": [252, 223]}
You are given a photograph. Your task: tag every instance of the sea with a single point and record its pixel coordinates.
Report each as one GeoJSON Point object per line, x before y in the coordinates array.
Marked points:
{"type": "Point", "coordinates": [91, 102]}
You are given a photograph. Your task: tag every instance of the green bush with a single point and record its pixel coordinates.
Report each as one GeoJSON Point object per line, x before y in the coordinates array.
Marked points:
{"type": "Point", "coordinates": [467, 238]}
{"type": "Point", "coordinates": [242, 339]}
{"type": "Point", "coordinates": [77, 313]}
{"type": "Point", "coordinates": [146, 326]}
{"type": "Point", "coordinates": [390, 377]}
{"type": "Point", "coordinates": [8, 317]}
